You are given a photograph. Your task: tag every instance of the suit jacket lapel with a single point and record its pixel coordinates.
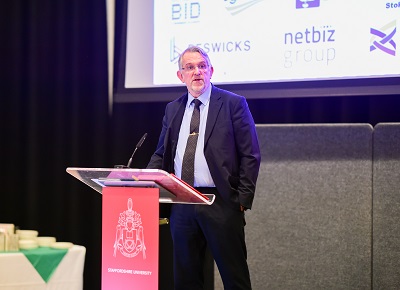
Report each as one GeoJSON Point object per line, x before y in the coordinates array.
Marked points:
{"type": "Point", "coordinates": [213, 110]}
{"type": "Point", "coordinates": [176, 123]}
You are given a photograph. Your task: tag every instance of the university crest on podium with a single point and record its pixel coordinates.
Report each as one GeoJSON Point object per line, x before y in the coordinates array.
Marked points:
{"type": "Point", "coordinates": [129, 236]}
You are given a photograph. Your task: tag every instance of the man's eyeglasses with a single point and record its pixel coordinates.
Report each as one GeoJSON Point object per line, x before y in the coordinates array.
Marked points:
{"type": "Point", "coordinates": [192, 67]}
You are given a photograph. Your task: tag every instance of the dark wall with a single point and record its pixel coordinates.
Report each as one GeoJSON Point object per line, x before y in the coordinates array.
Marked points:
{"type": "Point", "coordinates": [54, 114]}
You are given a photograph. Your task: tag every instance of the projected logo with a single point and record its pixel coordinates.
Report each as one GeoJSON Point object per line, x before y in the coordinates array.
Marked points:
{"type": "Point", "coordinates": [175, 51]}
{"type": "Point", "coordinates": [236, 6]}
{"type": "Point", "coordinates": [300, 4]}
{"type": "Point", "coordinates": [129, 236]}
{"type": "Point", "coordinates": [185, 12]}
{"type": "Point", "coordinates": [311, 46]}
{"type": "Point", "coordinates": [210, 47]}
{"type": "Point", "coordinates": [393, 5]}
{"type": "Point", "coordinates": [382, 39]}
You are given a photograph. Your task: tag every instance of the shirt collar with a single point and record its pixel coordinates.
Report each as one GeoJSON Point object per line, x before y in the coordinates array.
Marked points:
{"type": "Point", "coordinates": [204, 97]}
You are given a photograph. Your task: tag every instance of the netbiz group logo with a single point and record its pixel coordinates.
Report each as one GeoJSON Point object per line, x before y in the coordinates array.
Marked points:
{"type": "Point", "coordinates": [382, 39]}
{"type": "Point", "coordinates": [300, 4]}
{"type": "Point", "coordinates": [310, 46]}
{"type": "Point", "coordinates": [236, 6]}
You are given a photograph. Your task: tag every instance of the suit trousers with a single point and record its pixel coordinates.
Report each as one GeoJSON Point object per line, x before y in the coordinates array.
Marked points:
{"type": "Point", "coordinates": [221, 228]}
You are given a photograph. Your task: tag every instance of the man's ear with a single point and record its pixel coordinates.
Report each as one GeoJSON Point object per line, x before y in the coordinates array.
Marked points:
{"type": "Point", "coordinates": [179, 75]}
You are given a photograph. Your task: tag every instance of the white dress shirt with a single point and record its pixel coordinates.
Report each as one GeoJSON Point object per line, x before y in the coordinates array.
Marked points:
{"type": "Point", "coordinates": [202, 176]}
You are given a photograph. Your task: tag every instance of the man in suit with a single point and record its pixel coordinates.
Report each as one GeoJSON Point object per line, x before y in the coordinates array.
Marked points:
{"type": "Point", "coordinates": [226, 163]}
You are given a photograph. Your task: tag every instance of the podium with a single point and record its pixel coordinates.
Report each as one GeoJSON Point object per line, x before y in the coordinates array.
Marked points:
{"type": "Point", "coordinates": [130, 220]}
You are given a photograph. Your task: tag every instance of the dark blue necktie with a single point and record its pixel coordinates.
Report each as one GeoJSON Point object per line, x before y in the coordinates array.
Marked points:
{"type": "Point", "coordinates": [188, 158]}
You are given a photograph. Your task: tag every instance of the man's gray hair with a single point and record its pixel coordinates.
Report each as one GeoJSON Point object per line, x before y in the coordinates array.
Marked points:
{"type": "Point", "coordinates": [194, 49]}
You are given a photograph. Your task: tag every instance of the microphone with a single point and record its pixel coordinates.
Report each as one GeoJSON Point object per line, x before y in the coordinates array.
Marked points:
{"type": "Point", "coordinates": [136, 148]}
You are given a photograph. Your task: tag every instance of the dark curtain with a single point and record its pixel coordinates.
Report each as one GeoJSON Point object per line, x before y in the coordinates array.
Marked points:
{"type": "Point", "coordinates": [54, 115]}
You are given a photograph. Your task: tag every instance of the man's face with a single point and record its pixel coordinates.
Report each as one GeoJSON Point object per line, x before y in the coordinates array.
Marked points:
{"type": "Point", "coordinates": [195, 72]}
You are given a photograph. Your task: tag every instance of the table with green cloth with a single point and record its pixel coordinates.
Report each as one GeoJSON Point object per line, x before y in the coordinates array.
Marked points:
{"type": "Point", "coordinates": [43, 268]}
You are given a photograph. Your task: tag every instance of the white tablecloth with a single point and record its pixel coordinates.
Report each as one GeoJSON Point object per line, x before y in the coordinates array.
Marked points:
{"type": "Point", "coordinates": [17, 273]}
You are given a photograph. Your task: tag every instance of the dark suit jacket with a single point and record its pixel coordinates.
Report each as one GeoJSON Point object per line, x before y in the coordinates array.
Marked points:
{"type": "Point", "coordinates": [231, 146]}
